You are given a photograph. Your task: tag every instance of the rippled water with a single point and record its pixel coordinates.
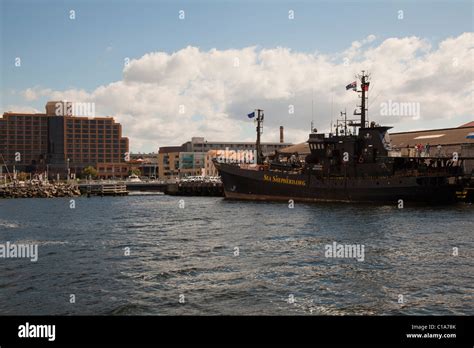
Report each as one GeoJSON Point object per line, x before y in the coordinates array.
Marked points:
{"type": "Point", "coordinates": [190, 252]}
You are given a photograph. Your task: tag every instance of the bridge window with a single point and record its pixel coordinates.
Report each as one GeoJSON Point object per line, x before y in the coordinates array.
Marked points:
{"type": "Point", "coordinates": [386, 141]}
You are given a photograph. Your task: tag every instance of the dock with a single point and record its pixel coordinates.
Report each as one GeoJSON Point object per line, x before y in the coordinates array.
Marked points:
{"type": "Point", "coordinates": [196, 189]}
{"type": "Point", "coordinates": [121, 188]}
{"type": "Point", "coordinates": [106, 189]}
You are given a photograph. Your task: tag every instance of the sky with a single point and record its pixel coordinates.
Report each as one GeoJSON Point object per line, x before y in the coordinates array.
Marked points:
{"type": "Point", "coordinates": [167, 78]}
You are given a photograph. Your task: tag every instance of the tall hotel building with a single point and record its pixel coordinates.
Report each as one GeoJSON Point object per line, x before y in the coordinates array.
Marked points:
{"type": "Point", "coordinates": [62, 144]}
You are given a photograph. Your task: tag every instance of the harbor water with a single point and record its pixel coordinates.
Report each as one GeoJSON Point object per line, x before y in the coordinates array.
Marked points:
{"type": "Point", "coordinates": [163, 255]}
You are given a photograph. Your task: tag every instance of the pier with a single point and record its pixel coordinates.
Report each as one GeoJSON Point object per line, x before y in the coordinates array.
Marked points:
{"type": "Point", "coordinates": [196, 189]}
{"type": "Point", "coordinates": [106, 189]}
{"type": "Point", "coordinates": [119, 188]}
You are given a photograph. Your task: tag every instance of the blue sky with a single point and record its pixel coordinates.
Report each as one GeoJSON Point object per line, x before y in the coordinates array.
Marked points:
{"type": "Point", "coordinates": [84, 53]}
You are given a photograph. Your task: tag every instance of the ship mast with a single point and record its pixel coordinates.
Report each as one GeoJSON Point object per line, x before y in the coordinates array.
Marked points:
{"type": "Point", "coordinates": [364, 86]}
{"type": "Point", "coordinates": [259, 133]}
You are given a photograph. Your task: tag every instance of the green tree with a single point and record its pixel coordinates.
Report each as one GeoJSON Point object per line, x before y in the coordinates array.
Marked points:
{"type": "Point", "coordinates": [22, 176]}
{"type": "Point", "coordinates": [90, 171]}
{"type": "Point", "coordinates": [135, 171]}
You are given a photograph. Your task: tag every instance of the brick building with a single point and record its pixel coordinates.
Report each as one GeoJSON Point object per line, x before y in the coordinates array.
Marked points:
{"type": "Point", "coordinates": [60, 144]}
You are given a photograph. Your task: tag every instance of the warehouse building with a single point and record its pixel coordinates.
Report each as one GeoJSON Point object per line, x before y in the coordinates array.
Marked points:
{"type": "Point", "coordinates": [435, 142]}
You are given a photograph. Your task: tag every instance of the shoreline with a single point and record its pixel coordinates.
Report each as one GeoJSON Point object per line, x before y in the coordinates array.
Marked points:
{"type": "Point", "coordinates": [39, 190]}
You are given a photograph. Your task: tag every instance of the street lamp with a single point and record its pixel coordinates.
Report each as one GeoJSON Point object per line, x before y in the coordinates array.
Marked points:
{"type": "Point", "coordinates": [68, 169]}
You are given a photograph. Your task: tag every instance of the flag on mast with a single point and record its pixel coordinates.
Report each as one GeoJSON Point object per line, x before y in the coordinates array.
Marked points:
{"type": "Point", "coordinates": [352, 86]}
{"type": "Point", "coordinates": [252, 115]}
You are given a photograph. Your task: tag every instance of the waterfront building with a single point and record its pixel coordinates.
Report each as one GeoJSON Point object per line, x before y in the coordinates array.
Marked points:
{"type": "Point", "coordinates": [199, 144]}
{"type": "Point", "coordinates": [209, 167]}
{"type": "Point", "coordinates": [168, 162]}
{"type": "Point", "coordinates": [439, 142]}
{"type": "Point", "coordinates": [450, 139]}
{"type": "Point", "coordinates": [146, 163]}
{"type": "Point", "coordinates": [194, 157]}
{"type": "Point", "coordinates": [61, 144]}
{"type": "Point", "coordinates": [23, 140]}
{"type": "Point", "coordinates": [191, 163]}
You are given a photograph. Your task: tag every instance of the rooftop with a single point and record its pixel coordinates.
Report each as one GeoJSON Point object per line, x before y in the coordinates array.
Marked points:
{"type": "Point", "coordinates": [239, 142]}
{"type": "Point", "coordinates": [444, 136]}
{"type": "Point", "coordinates": [169, 149]}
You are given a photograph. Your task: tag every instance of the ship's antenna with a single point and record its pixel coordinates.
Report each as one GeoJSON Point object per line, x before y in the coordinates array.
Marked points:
{"type": "Point", "coordinates": [345, 121]}
{"type": "Point", "coordinates": [332, 106]}
{"type": "Point", "coordinates": [364, 87]}
{"type": "Point", "coordinates": [312, 109]}
{"type": "Point", "coordinates": [368, 104]}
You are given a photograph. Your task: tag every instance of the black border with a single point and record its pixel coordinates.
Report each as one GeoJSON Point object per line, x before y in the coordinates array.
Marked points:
{"type": "Point", "coordinates": [224, 330]}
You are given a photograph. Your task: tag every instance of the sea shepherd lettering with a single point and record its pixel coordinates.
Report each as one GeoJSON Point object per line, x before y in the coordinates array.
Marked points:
{"type": "Point", "coordinates": [37, 331]}
{"type": "Point", "coordinates": [287, 181]}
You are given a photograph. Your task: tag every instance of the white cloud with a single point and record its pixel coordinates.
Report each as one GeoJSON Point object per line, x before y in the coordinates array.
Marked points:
{"type": "Point", "coordinates": [20, 108]}
{"type": "Point", "coordinates": [222, 86]}
{"type": "Point", "coordinates": [31, 94]}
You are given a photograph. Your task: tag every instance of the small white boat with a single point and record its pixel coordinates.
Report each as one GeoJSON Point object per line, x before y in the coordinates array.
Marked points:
{"type": "Point", "coordinates": [133, 178]}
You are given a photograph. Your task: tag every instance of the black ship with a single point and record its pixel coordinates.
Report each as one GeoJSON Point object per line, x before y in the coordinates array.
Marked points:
{"type": "Point", "coordinates": [344, 167]}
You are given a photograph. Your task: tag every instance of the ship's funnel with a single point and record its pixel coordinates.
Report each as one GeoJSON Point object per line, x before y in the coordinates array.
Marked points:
{"type": "Point", "coordinates": [281, 135]}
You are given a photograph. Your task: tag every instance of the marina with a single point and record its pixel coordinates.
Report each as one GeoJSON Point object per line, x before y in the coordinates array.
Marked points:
{"type": "Point", "coordinates": [196, 172]}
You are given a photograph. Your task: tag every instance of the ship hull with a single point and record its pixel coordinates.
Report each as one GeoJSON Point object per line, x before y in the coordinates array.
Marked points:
{"type": "Point", "coordinates": [269, 185]}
